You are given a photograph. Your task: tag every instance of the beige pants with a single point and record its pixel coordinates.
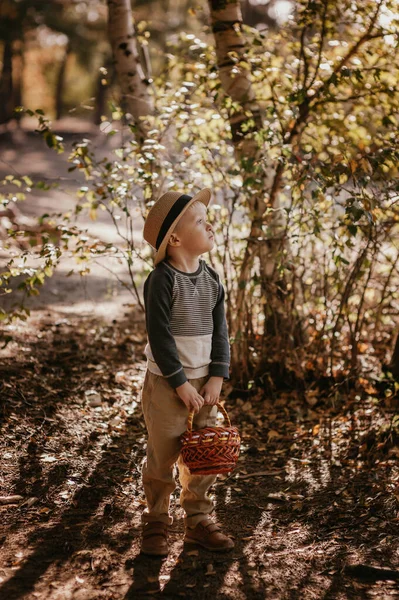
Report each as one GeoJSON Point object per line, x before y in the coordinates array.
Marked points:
{"type": "Point", "coordinates": [165, 417]}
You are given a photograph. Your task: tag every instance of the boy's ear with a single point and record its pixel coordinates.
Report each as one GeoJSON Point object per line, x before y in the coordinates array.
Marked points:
{"type": "Point", "coordinates": [174, 240]}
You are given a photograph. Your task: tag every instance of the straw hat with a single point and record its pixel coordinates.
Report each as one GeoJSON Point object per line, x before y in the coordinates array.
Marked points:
{"type": "Point", "coordinates": [164, 216]}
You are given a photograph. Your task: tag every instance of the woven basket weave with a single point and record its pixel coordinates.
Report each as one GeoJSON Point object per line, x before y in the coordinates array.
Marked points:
{"type": "Point", "coordinates": [210, 449]}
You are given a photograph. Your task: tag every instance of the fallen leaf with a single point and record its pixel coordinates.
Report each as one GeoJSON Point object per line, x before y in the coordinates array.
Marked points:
{"type": "Point", "coordinates": [316, 429]}
{"type": "Point", "coordinates": [210, 570]}
{"type": "Point", "coordinates": [30, 502]}
{"type": "Point", "coordinates": [46, 458]}
{"type": "Point", "coordinates": [312, 397]}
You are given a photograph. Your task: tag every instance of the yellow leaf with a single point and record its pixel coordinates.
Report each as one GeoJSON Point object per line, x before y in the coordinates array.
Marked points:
{"type": "Point", "coordinates": [370, 389]}
{"type": "Point", "coordinates": [366, 165]}
{"type": "Point", "coordinates": [353, 166]}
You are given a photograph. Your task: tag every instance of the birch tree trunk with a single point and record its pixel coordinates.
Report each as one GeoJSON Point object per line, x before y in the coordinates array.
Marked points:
{"type": "Point", "coordinates": [226, 19]}
{"type": "Point", "coordinates": [131, 77]}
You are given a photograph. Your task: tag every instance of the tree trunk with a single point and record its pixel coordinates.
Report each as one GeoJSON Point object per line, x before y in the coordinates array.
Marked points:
{"type": "Point", "coordinates": [6, 87]}
{"type": "Point", "coordinates": [60, 82]}
{"type": "Point", "coordinates": [225, 17]}
{"type": "Point", "coordinates": [99, 99]}
{"type": "Point", "coordinates": [18, 70]}
{"type": "Point", "coordinates": [226, 20]}
{"type": "Point", "coordinates": [131, 77]}
{"type": "Point", "coordinates": [393, 365]}
{"type": "Point", "coordinates": [101, 89]}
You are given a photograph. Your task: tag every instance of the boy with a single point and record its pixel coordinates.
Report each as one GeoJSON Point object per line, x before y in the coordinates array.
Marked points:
{"type": "Point", "coordinates": [188, 358]}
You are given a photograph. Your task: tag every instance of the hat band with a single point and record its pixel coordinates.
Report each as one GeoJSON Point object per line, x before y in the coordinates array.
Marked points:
{"type": "Point", "coordinates": [171, 216]}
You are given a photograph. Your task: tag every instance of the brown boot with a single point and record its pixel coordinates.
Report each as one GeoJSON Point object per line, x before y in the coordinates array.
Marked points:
{"type": "Point", "coordinates": [208, 534]}
{"type": "Point", "coordinates": [154, 539]}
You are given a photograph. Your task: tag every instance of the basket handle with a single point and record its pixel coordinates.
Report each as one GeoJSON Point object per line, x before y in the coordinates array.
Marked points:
{"type": "Point", "coordinates": [220, 408]}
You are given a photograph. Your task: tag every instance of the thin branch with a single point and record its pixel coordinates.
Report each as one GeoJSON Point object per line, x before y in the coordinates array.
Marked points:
{"type": "Point", "coordinates": [309, 102]}
{"type": "Point", "coordinates": [356, 97]}
{"type": "Point", "coordinates": [302, 56]}
{"type": "Point", "coordinates": [321, 44]}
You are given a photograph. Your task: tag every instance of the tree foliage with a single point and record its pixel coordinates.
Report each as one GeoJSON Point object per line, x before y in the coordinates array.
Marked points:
{"type": "Point", "coordinates": [326, 85]}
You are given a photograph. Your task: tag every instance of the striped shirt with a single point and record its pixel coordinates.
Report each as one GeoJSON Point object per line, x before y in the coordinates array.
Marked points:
{"type": "Point", "coordinates": [186, 324]}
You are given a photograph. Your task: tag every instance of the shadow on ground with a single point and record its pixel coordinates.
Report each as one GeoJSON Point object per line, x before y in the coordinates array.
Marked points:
{"type": "Point", "coordinates": [72, 443]}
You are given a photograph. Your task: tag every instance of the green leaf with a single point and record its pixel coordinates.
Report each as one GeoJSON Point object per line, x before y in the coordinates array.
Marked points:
{"type": "Point", "coordinates": [352, 229]}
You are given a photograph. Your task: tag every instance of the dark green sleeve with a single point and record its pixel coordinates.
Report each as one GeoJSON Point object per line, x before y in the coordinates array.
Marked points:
{"type": "Point", "coordinates": [220, 354]}
{"type": "Point", "coordinates": [158, 293]}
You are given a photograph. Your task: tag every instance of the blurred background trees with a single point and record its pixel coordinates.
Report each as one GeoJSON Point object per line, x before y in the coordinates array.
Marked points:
{"type": "Point", "coordinates": [51, 52]}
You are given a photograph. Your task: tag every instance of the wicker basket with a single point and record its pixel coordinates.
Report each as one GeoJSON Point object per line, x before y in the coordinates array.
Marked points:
{"type": "Point", "coordinates": [210, 449]}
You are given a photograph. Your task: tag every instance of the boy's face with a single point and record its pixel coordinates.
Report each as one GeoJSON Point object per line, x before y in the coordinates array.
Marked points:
{"type": "Point", "coordinates": [193, 232]}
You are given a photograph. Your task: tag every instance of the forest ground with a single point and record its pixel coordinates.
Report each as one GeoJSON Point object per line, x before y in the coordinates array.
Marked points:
{"type": "Point", "coordinates": [313, 505]}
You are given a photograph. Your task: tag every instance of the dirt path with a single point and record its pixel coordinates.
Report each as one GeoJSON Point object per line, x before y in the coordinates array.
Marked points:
{"type": "Point", "coordinates": [101, 291]}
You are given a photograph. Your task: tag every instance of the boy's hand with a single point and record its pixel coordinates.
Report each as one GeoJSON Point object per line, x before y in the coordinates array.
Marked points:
{"type": "Point", "coordinates": [211, 390]}
{"type": "Point", "coordinates": [191, 398]}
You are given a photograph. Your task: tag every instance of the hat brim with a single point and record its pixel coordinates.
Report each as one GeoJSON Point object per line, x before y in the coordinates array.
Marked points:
{"type": "Point", "coordinates": [203, 196]}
